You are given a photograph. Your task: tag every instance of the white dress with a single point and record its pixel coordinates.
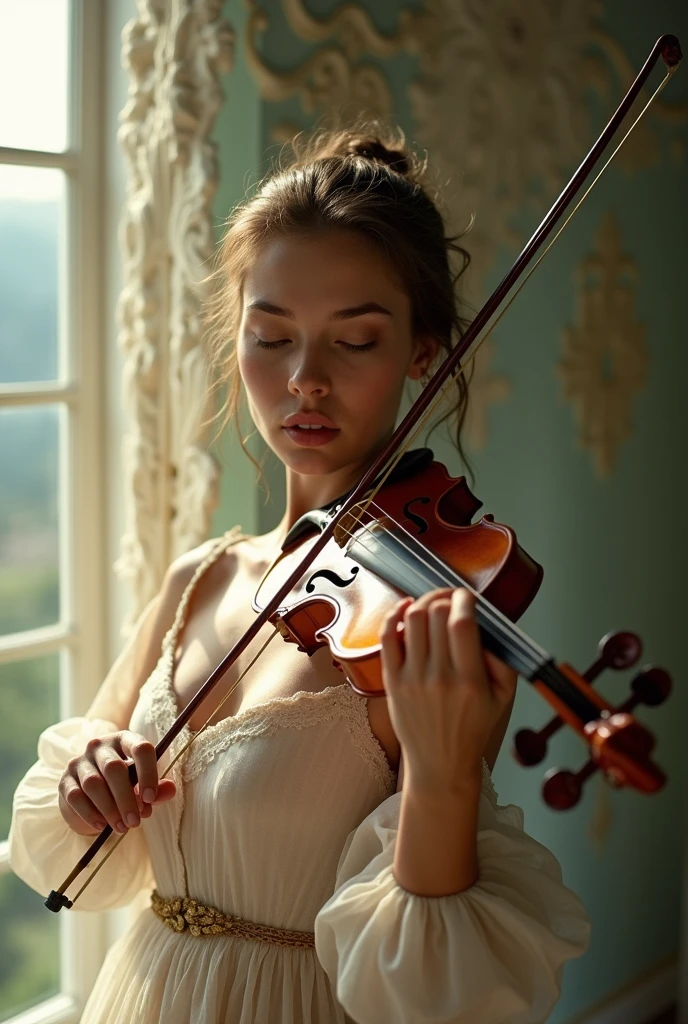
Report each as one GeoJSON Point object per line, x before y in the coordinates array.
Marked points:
{"type": "Point", "coordinates": [286, 815]}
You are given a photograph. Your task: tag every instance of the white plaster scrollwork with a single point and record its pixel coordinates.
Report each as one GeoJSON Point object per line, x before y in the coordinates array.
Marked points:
{"type": "Point", "coordinates": [605, 360]}
{"type": "Point", "coordinates": [174, 51]}
{"type": "Point", "coordinates": [499, 105]}
{"type": "Point", "coordinates": [502, 104]}
{"type": "Point", "coordinates": [333, 80]}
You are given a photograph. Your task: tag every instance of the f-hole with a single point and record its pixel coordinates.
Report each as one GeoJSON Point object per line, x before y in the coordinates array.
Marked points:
{"type": "Point", "coordinates": [327, 574]}
{"type": "Point", "coordinates": [414, 517]}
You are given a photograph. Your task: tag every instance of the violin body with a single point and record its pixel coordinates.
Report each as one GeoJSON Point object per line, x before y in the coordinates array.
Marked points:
{"type": "Point", "coordinates": [342, 603]}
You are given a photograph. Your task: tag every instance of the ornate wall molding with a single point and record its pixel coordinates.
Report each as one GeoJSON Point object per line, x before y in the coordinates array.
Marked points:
{"type": "Point", "coordinates": [335, 80]}
{"type": "Point", "coordinates": [605, 359]}
{"type": "Point", "coordinates": [503, 105]}
{"type": "Point", "coordinates": [502, 101]}
{"type": "Point", "coordinates": [174, 51]}
{"type": "Point", "coordinates": [498, 104]}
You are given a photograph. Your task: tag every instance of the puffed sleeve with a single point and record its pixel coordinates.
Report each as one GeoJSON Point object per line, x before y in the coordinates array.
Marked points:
{"type": "Point", "coordinates": [42, 847]}
{"type": "Point", "coordinates": [493, 953]}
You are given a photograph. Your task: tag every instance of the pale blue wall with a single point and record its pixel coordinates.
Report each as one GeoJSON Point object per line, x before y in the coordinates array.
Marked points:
{"type": "Point", "coordinates": [613, 551]}
{"type": "Point", "coordinates": [238, 133]}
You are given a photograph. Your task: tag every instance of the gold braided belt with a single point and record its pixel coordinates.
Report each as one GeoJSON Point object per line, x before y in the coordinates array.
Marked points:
{"type": "Point", "coordinates": [185, 914]}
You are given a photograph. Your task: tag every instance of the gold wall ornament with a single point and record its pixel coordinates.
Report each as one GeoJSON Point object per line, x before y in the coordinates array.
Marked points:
{"type": "Point", "coordinates": [484, 388]}
{"type": "Point", "coordinates": [174, 52]}
{"type": "Point", "coordinates": [605, 360]}
{"type": "Point", "coordinates": [334, 80]}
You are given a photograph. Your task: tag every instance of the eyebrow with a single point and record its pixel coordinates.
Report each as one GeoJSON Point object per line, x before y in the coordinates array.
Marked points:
{"type": "Point", "coordinates": [341, 314]}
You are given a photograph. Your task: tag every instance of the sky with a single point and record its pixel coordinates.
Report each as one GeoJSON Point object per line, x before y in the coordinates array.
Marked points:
{"type": "Point", "coordinates": [33, 87]}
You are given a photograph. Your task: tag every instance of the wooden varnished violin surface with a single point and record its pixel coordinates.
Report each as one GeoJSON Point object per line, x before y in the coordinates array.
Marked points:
{"type": "Point", "coordinates": [418, 535]}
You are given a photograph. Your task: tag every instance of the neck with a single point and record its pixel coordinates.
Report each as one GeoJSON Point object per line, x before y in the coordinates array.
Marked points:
{"type": "Point", "coordinates": [307, 492]}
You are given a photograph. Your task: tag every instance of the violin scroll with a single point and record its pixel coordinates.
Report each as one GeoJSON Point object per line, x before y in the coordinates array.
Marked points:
{"type": "Point", "coordinates": [620, 746]}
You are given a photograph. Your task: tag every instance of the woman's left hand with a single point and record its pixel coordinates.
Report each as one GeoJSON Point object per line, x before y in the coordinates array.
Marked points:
{"type": "Point", "coordinates": [445, 693]}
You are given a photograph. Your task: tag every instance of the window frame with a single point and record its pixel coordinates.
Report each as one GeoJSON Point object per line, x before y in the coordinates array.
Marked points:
{"type": "Point", "coordinates": [80, 636]}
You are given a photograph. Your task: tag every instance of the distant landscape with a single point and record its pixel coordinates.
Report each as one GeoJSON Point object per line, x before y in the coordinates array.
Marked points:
{"type": "Point", "coordinates": [29, 690]}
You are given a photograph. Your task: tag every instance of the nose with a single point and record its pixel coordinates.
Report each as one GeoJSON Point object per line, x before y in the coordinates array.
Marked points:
{"type": "Point", "coordinates": [309, 377]}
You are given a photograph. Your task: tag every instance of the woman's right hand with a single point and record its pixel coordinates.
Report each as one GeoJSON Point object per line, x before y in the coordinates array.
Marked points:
{"type": "Point", "coordinates": [95, 789]}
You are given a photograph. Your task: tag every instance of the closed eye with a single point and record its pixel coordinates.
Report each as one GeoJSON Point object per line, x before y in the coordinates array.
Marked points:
{"type": "Point", "coordinates": [345, 344]}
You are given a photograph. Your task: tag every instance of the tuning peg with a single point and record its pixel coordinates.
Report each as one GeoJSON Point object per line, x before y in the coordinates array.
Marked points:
{"type": "Point", "coordinates": [562, 789]}
{"type": "Point", "coordinates": [620, 735]}
{"type": "Point", "coordinates": [652, 686]}
{"type": "Point", "coordinates": [617, 651]}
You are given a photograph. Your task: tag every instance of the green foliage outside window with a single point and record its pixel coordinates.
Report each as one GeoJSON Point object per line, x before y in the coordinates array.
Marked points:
{"type": "Point", "coordinates": [29, 939]}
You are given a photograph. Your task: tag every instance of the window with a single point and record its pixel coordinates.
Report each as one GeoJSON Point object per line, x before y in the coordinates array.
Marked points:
{"type": "Point", "coordinates": [52, 579]}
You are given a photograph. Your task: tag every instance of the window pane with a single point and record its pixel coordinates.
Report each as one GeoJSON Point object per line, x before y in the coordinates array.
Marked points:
{"type": "Point", "coordinates": [31, 214]}
{"type": "Point", "coordinates": [29, 703]}
{"type": "Point", "coordinates": [29, 948]}
{"type": "Point", "coordinates": [29, 583]}
{"type": "Point", "coordinates": [33, 74]}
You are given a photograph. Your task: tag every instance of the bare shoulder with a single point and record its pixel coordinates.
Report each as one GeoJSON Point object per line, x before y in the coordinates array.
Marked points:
{"type": "Point", "coordinates": [118, 694]}
{"type": "Point", "coordinates": [236, 555]}
{"type": "Point", "coordinates": [224, 565]}
{"type": "Point", "coordinates": [181, 571]}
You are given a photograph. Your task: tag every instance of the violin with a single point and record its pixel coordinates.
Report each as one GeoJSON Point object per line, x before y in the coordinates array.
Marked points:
{"type": "Point", "coordinates": [412, 532]}
{"type": "Point", "coordinates": [417, 536]}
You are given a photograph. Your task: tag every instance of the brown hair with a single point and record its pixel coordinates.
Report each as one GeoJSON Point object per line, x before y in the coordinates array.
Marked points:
{"type": "Point", "coordinates": [363, 179]}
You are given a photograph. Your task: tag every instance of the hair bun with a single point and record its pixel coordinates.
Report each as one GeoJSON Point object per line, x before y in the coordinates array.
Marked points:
{"type": "Point", "coordinates": [371, 148]}
{"type": "Point", "coordinates": [368, 140]}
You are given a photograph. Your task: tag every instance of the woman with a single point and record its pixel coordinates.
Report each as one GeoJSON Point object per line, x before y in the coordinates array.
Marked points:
{"type": "Point", "coordinates": [359, 843]}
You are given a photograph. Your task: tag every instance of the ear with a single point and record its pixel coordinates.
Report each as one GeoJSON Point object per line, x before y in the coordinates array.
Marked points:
{"type": "Point", "coordinates": [425, 351]}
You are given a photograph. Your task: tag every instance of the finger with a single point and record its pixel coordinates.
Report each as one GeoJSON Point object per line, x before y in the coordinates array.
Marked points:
{"type": "Point", "coordinates": [166, 790]}
{"type": "Point", "coordinates": [464, 638]}
{"type": "Point", "coordinates": [425, 600]}
{"type": "Point", "coordinates": [504, 678]}
{"type": "Point", "coordinates": [392, 650]}
{"type": "Point", "coordinates": [115, 772]}
{"type": "Point", "coordinates": [142, 753]}
{"type": "Point", "coordinates": [438, 637]}
{"type": "Point", "coordinates": [416, 638]}
{"type": "Point", "coordinates": [94, 786]}
{"type": "Point", "coordinates": [77, 801]}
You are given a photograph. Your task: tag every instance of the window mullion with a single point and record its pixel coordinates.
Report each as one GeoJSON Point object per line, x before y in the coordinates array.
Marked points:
{"type": "Point", "coordinates": [66, 161]}
{"type": "Point", "coordinates": [37, 394]}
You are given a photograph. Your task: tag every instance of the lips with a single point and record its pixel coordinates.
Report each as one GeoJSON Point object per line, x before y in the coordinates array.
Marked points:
{"type": "Point", "coordinates": [309, 418]}
{"type": "Point", "coordinates": [311, 436]}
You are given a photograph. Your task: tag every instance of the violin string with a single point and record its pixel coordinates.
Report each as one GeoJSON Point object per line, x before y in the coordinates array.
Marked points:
{"type": "Point", "coordinates": [192, 739]}
{"type": "Point", "coordinates": [520, 643]}
{"type": "Point", "coordinates": [488, 329]}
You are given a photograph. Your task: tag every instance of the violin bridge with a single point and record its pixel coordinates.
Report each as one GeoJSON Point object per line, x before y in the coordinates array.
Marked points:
{"type": "Point", "coordinates": [347, 526]}
{"type": "Point", "coordinates": [283, 629]}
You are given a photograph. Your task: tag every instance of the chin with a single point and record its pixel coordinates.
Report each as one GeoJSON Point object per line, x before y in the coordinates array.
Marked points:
{"type": "Point", "coordinates": [329, 458]}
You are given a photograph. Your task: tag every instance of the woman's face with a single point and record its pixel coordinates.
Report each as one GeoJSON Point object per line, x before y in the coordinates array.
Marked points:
{"type": "Point", "coordinates": [326, 328]}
